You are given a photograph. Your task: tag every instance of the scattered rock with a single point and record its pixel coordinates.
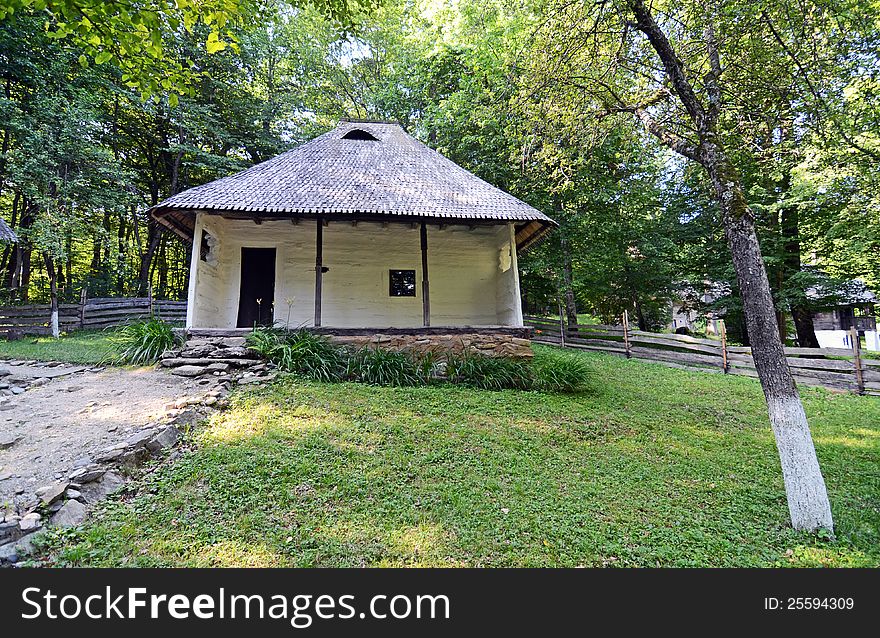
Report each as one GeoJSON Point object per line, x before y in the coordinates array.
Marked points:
{"type": "Point", "coordinates": [164, 439]}
{"type": "Point", "coordinates": [7, 440]}
{"type": "Point", "coordinates": [188, 371]}
{"type": "Point", "coordinates": [73, 513]}
{"type": "Point", "coordinates": [30, 522]}
{"type": "Point", "coordinates": [36, 383]}
{"type": "Point", "coordinates": [50, 493]}
{"type": "Point", "coordinates": [109, 483]}
{"type": "Point", "coordinates": [86, 474]}
{"type": "Point", "coordinates": [16, 389]}
{"type": "Point", "coordinates": [9, 531]}
{"type": "Point", "coordinates": [73, 494]}
{"type": "Point", "coordinates": [110, 454]}
{"type": "Point", "coordinates": [138, 439]}
{"type": "Point", "coordinates": [14, 552]}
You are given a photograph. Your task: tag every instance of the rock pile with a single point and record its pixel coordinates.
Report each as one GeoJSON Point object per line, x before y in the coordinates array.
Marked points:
{"type": "Point", "coordinates": [220, 356]}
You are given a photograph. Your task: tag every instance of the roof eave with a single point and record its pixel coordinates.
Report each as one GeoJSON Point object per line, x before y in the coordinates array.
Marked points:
{"type": "Point", "coordinates": [530, 233]}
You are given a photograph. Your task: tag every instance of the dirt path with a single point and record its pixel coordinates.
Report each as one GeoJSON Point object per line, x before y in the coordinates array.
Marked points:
{"type": "Point", "coordinates": [49, 430]}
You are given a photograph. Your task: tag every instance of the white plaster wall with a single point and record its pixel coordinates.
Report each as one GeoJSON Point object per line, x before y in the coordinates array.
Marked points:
{"type": "Point", "coordinates": [473, 275]}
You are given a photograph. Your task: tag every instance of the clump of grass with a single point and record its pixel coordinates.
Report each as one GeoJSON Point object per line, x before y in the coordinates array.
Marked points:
{"type": "Point", "coordinates": [489, 373]}
{"type": "Point", "coordinates": [142, 342]}
{"type": "Point", "coordinates": [384, 367]}
{"type": "Point", "coordinates": [315, 357]}
{"type": "Point", "coordinates": [301, 352]}
{"type": "Point", "coordinates": [557, 371]}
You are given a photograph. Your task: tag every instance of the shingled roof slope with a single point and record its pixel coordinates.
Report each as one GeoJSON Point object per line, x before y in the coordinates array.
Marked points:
{"type": "Point", "coordinates": [393, 175]}
{"type": "Point", "coordinates": [6, 233]}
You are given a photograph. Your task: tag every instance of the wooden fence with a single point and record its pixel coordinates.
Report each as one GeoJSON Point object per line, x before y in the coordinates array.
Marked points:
{"type": "Point", "coordinates": [89, 314]}
{"type": "Point", "coordinates": [837, 368]}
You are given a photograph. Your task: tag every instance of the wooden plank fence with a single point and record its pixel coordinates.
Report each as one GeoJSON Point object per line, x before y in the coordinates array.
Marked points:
{"type": "Point", "coordinates": [89, 314]}
{"type": "Point", "coordinates": [836, 368]}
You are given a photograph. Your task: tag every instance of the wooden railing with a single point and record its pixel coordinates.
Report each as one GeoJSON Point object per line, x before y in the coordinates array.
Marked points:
{"type": "Point", "coordinates": [87, 315]}
{"type": "Point", "coordinates": [837, 368]}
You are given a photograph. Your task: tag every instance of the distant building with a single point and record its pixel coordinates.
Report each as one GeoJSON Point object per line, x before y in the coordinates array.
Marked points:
{"type": "Point", "coordinates": [852, 306]}
{"type": "Point", "coordinates": [7, 235]}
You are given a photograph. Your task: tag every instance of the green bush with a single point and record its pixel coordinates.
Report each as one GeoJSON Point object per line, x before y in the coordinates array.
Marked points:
{"type": "Point", "coordinates": [489, 373]}
{"type": "Point", "coordinates": [384, 367]}
{"type": "Point", "coordinates": [301, 352]}
{"type": "Point", "coordinates": [142, 342]}
{"type": "Point", "coordinates": [558, 371]}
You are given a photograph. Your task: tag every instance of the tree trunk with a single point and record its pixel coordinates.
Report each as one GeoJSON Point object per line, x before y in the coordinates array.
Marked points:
{"type": "Point", "coordinates": [640, 316]}
{"type": "Point", "coordinates": [571, 313]}
{"type": "Point", "coordinates": [154, 235]}
{"type": "Point", "coordinates": [791, 265]}
{"type": "Point", "coordinates": [53, 294]}
{"type": "Point", "coordinates": [803, 325]}
{"type": "Point", "coordinates": [804, 486]}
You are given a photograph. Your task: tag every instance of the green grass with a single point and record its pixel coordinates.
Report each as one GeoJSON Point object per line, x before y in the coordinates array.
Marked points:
{"type": "Point", "coordinates": [649, 466]}
{"type": "Point", "coordinates": [88, 346]}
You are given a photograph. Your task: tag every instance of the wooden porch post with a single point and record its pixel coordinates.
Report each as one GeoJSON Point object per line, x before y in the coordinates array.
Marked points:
{"type": "Point", "coordinates": [426, 300]}
{"type": "Point", "coordinates": [319, 269]}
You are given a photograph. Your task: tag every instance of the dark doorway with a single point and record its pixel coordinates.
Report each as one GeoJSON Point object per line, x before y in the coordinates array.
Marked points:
{"type": "Point", "coordinates": [255, 303]}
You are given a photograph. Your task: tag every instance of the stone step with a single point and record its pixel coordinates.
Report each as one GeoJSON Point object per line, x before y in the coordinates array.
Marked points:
{"type": "Point", "coordinates": [176, 362]}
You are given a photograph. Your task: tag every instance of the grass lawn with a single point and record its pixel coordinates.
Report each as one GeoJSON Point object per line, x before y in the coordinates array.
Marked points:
{"type": "Point", "coordinates": [87, 346]}
{"type": "Point", "coordinates": [650, 467]}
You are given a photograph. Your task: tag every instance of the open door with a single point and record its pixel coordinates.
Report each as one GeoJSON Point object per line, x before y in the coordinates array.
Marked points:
{"type": "Point", "coordinates": [257, 296]}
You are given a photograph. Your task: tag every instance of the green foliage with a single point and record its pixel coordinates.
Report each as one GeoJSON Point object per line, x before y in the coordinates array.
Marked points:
{"type": "Point", "coordinates": [142, 342]}
{"type": "Point", "coordinates": [377, 366]}
{"type": "Point", "coordinates": [557, 370]}
{"type": "Point", "coordinates": [301, 352]}
{"type": "Point", "coordinates": [489, 373]}
{"type": "Point", "coordinates": [653, 467]}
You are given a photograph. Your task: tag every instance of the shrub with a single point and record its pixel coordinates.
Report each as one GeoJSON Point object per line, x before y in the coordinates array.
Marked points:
{"type": "Point", "coordinates": [301, 352]}
{"type": "Point", "coordinates": [142, 342]}
{"type": "Point", "coordinates": [557, 371]}
{"type": "Point", "coordinates": [489, 373]}
{"type": "Point", "coordinates": [384, 367]}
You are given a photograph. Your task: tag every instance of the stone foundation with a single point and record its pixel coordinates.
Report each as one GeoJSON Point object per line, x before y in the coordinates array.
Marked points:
{"type": "Point", "coordinates": [224, 353]}
{"type": "Point", "coordinates": [485, 343]}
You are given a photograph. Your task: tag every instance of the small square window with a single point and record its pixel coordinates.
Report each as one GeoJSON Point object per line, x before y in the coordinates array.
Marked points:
{"type": "Point", "coordinates": [402, 283]}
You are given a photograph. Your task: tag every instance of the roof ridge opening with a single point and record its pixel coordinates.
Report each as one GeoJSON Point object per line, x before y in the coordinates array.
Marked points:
{"type": "Point", "coordinates": [360, 134]}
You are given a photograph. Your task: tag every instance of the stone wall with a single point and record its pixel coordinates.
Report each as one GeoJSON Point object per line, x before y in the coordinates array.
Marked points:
{"type": "Point", "coordinates": [486, 343]}
{"type": "Point", "coordinates": [224, 353]}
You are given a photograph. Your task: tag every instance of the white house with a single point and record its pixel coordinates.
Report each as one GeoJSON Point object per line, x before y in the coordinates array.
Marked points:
{"type": "Point", "coordinates": [364, 229]}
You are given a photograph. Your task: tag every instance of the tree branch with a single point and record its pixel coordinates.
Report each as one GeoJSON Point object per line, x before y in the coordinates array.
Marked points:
{"type": "Point", "coordinates": [812, 87]}
{"type": "Point", "coordinates": [673, 66]}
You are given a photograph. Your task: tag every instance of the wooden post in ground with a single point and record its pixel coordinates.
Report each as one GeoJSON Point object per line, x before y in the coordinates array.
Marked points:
{"type": "Point", "coordinates": [857, 359]}
{"type": "Point", "coordinates": [426, 299]}
{"type": "Point", "coordinates": [319, 269]}
{"type": "Point", "coordinates": [626, 334]}
{"type": "Point", "coordinates": [83, 296]}
{"type": "Point", "coordinates": [561, 323]}
{"type": "Point", "coordinates": [150, 298]}
{"type": "Point", "coordinates": [724, 362]}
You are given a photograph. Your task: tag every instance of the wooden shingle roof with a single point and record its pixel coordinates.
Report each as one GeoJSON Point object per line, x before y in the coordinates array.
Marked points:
{"type": "Point", "coordinates": [359, 170]}
{"type": "Point", "coordinates": [7, 235]}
